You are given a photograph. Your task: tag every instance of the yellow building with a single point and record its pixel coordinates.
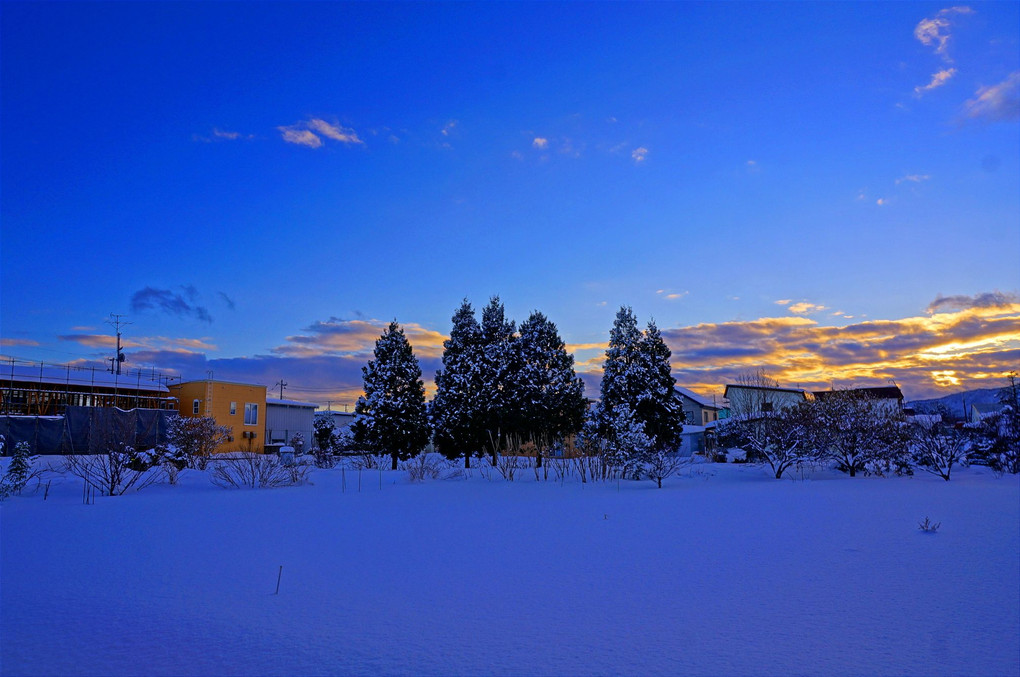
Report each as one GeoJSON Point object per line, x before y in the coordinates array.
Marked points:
{"type": "Point", "coordinates": [238, 406]}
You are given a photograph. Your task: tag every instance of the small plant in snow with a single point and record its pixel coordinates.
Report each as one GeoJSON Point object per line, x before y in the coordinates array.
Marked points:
{"type": "Point", "coordinates": [256, 471]}
{"type": "Point", "coordinates": [424, 466]}
{"type": "Point", "coordinates": [928, 527]}
{"type": "Point", "coordinates": [18, 472]}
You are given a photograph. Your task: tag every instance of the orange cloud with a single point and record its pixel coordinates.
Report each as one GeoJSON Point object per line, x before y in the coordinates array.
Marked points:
{"type": "Point", "coordinates": [970, 347]}
{"type": "Point", "coordinates": [357, 337]}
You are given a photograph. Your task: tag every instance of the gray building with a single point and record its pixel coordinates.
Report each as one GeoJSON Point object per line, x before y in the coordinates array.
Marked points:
{"type": "Point", "coordinates": [285, 418]}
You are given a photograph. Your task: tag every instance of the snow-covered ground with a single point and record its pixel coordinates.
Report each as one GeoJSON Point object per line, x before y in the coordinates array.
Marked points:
{"type": "Point", "coordinates": [724, 571]}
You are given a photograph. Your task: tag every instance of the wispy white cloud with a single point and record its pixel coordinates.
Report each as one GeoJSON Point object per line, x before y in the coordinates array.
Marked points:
{"type": "Point", "coordinates": [448, 128]}
{"type": "Point", "coordinates": [672, 295]}
{"type": "Point", "coordinates": [300, 137]}
{"type": "Point", "coordinates": [309, 133]}
{"type": "Point", "coordinates": [913, 178]}
{"type": "Point", "coordinates": [221, 135]}
{"type": "Point", "coordinates": [335, 132]}
{"type": "Point", "coordinates": [639, 154]}
{"type": "Point", "coordinates": [805, 308]}
{"type": "Point", "coordinates": [999, 102]}
{"type": "Point", "coordinates": [881, 201]}
{"type": "Point", "coordinates": [935, 31]}
{"type": "Point", "coordinates": [937, 80]}
{"type": "Point", "coordinates": [540, 142]}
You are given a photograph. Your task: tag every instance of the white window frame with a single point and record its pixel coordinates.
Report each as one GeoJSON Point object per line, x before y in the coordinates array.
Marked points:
{"type": "Point", "coordinates": [251, 413]}
{"type": "Point", "coordinates": [196, 407]}
{"type": "Point", "coordinates": [233, 408]}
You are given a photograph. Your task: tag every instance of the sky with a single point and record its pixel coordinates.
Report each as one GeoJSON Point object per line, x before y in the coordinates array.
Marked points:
{"type": "Point", "coordinates": [829, 191]}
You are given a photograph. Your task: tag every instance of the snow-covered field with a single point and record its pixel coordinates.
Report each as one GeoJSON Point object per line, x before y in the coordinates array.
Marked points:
{"type": "Point", "coordinates": [724, 571]}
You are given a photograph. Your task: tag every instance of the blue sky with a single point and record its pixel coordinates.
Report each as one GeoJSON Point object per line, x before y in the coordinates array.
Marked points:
{"type": "Point", "coordinates": [260, 187]}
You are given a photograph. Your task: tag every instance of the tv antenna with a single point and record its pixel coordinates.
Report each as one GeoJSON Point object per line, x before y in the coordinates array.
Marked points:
{"type": "Point", "coordinates": [116, 322]}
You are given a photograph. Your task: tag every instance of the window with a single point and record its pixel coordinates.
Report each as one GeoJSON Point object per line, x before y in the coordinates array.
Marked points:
{"type": "Point", "coordinates": [251, 413]}
{"type": "Point", "coordinates": [194, 407]}
{"type": "Point", "coordinates": [233, 408]}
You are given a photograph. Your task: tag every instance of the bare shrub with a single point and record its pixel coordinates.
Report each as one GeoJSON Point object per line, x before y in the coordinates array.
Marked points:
{"type": "Point", "coordinates": [192, 440]}
{"type": "Point", "coordinates": [424, 466]}
{"type": "Point", "coordinates": [929, 527]}
{"type": "Point", "coordinates": [256, 471]}
{"type": "Point", "coordinates": [116, 471]}
{"type": "Point", "coordinates": [936, 448]}
{"type": "Point", "coordinates": [508, 465]}
{"type": "Point", "coordinates": [661, 464]}
{"type": "Point", "coordinates": [365, 461]}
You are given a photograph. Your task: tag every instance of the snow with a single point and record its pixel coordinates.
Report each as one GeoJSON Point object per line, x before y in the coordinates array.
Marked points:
{"type": "Point", "coordinates": [724, 571]}
{"type": "Point", "coordinates": [291, 403]}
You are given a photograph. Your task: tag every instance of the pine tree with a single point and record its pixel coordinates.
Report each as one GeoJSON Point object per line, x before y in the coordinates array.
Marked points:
{"type": "Point", "coordinates": [455, 410]}
{"type": "Point", "coordinates": [390, 417]}
{"type": "Point", "coordinates": [622, 369]}
{"type": "Point", "coordinates": [19, 470]}
{"type": "Point", "coordinates": [551, 394]}
{"type": "Point", "coordinates": [658, 406]}
{"type": "Point", "coordinates": [499, 371]}
{"type": "Point", "coordinates": [637, 387]}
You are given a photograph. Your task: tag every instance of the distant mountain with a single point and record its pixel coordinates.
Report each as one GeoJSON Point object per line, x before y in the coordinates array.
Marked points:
{"type": "Point", "coordinates": [957, 404]}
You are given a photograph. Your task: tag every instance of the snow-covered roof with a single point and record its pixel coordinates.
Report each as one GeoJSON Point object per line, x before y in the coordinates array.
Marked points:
{"type": "Point", "coordinates": [699, 399]}
{"type": "Point", "coordinates": [290, 403]}
{"type": "Point", "coordinates": [80, 377]}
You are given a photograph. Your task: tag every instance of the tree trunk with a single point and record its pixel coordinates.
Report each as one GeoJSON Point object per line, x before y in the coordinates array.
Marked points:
{"type": "Point", "coordinates": [394, 465]}
{"type": "Point", "coordinates": [467, 459]}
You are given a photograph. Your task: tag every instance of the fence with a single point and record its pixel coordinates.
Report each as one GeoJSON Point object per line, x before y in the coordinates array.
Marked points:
{"type": "Point", "coordinates": [86, 430]}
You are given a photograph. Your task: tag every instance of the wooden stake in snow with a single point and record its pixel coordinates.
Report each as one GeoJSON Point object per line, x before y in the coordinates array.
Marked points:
{"type": "Point", "coordinates": [278, 577]}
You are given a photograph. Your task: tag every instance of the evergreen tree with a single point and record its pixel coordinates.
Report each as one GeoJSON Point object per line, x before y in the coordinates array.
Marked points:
{"type": "Point", "coordinates": [390, 417]}
{"type": "Point", "coordinates": [658, 407]}
{"type": "Point", "coordinates": [19, 470]}
{"type": "Point", "coordinates": [637, 387]}
{"type": "Point", "coordinates": [455, 410]}
{"type": "Point", "coordinates": [499, 371]}
{"type": "Point", "coordinates": [622, 370]}
{"type": "Point", "coordinates": [551, 395]}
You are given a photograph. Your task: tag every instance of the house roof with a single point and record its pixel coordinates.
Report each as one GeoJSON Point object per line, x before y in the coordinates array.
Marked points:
{"type": "Point", "coordinates": [987, 407]}
{"type": "Point", "coordinates": [878, 393]}
{"type": "Point", "coordinates": [79, 377]}
{"type": "Point", "coordinates": [696, 398]}
{"type": "Point", "coordinates": [799, 391]}
{"type": "Point", "coordinates": [290, 403]}
{"type": "Point", "coordinates": [217, 381]}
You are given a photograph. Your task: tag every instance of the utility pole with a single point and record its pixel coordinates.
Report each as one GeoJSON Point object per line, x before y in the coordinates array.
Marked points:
{"type": "Point", "coordinates": [116, 322]}
{"type": "Point", "coordinates": [282, 384]}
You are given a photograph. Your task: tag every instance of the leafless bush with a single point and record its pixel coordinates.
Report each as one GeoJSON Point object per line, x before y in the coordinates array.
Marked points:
{"type": "Point", "coordinates": [661, 464]}
{"type": "Point", "coordinates": [424, 466]}
{"type": "Point", "coordinates": [508, 465]}
{"type": "Point", "coordinates": [937, 449]}
{"type": "Point", "coordinates": [114, 472]}
{"type": "Point", "coordinates": [256, 471]}
{"type": "Point", "coordinates": [929, 527]}
{"type": "Point", "coordinates": [365, 461]}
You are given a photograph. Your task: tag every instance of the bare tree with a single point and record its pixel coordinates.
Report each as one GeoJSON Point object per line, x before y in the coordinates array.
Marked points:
{"type": "Point", "coordinates": [192, 440]}
{"type": "Point", "coordinates": [848, 428]}
{"type": "Point", "coordinates": [936, 448]}
{"type": "Point", "coordinates": [780, 439]}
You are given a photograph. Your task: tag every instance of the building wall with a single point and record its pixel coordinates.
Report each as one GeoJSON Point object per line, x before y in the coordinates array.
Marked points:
{"type": "Point", "coordinates": [215, 399]}
{"type": "Point", "coordinates": [753, 401]}
{"type": "Point", "coordinates": [283, 420]}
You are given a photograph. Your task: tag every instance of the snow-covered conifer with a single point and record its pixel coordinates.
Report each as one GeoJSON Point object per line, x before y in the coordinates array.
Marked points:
{"type": "Point", "coordinates": [551, 394]}
{"type": "Point", "coordinates": [637, 377]}
{"type": "Point", "coordinates": [390, 417]}
{"type": "Point", "coordinates": [499, 372]}
{"type": "Point", "coordinates": [455, 410]}
{"type": "Point", "coordinates": [658, 406]}
{"type": "Point", "coordinates": [19, 470]}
